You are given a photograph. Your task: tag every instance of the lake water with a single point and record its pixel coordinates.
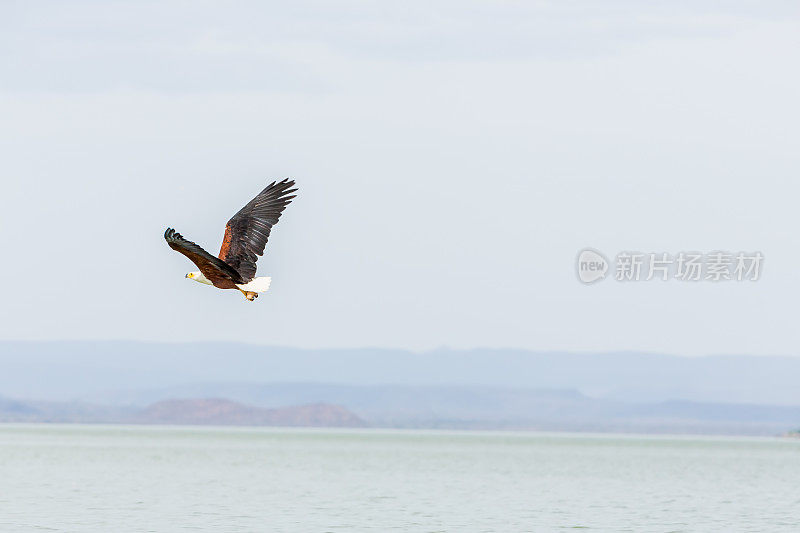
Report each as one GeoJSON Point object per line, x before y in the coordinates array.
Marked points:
{"type": "Point", "coordinates": [134, 478]}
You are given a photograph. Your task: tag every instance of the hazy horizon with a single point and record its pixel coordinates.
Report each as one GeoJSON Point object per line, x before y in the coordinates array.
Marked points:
{"type": "Point", "coordinates": [116, 382]}
{"type": "Point", "coordinates": [79, 368]}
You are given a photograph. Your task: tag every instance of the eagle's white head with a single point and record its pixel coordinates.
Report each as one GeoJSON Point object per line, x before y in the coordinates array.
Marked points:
{"type": "Point", "coordinates": [198, 277]}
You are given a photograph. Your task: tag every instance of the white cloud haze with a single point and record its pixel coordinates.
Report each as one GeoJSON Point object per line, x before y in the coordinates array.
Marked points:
{"type": "Point", "coordinates": [452, 159]}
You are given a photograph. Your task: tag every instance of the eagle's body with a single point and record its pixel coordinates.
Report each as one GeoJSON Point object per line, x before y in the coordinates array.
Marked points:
{"type": "Point", "coordinates": [246, 236]}
{"type": "Point", "coordinates": [257, 285]}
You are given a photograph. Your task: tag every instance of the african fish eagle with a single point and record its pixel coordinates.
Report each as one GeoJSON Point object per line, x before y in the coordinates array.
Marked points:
{"type": "Point", "coordinates": [246, 235]}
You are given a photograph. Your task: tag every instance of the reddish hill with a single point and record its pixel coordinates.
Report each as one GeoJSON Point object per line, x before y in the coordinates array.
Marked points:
{"type": "Point", "coordinates": [215, 411]}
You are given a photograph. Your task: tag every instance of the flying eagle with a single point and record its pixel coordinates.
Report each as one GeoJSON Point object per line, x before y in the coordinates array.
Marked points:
{"type": "Point", "coordinates": [246, 235]}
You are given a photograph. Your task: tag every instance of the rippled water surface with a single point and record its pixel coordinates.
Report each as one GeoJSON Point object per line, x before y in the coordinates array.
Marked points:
{"type": "Point", "coordinates": [133, 478]}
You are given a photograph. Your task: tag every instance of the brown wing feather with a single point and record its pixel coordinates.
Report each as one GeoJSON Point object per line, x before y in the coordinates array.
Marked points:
{"type": "Point", "coordinates": [218, 272]}
{"type": "Point", "coordinates": [246, 234]}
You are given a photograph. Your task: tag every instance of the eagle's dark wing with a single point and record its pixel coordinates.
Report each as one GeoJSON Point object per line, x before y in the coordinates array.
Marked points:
{"type": "Point", "coordinates": [217, 272]}
{"type": "Point", "coordinates": [247, 232]}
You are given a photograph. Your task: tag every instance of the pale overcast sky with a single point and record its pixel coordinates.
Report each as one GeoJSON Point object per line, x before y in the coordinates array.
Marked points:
{"type": "Point", "coordinates": [452, 159]}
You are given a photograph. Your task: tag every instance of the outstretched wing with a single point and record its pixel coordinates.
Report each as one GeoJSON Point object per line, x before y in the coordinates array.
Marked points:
{"type": "Point", "coordinates": [247, 232]}
{"type": "Point", "coordinates": [211, 267]}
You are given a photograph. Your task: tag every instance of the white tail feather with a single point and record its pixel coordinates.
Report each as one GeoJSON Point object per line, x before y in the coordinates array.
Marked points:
{"type": "Point", "coordinates": [257, 285]}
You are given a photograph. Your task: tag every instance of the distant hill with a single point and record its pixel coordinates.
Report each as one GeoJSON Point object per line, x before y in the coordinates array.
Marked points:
{"type": "Point", "coordinates": [486, 389]}
{"type": "Point", "coordinates": [198, 411]}
{"type": "Point", "coordinates": [72, 370]}
{"type": "Point", "coordinates": [415, 407]}
{"type": "Point", "coordinates": [500, 408]}
{"type": "Point", "coordinates": [14, 408]}
{"type": "Point", "coordinates": [225, 412]}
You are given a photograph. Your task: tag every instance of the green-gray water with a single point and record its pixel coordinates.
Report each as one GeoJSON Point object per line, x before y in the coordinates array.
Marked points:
{"type": "Point", "coordinates": [134, 478]}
